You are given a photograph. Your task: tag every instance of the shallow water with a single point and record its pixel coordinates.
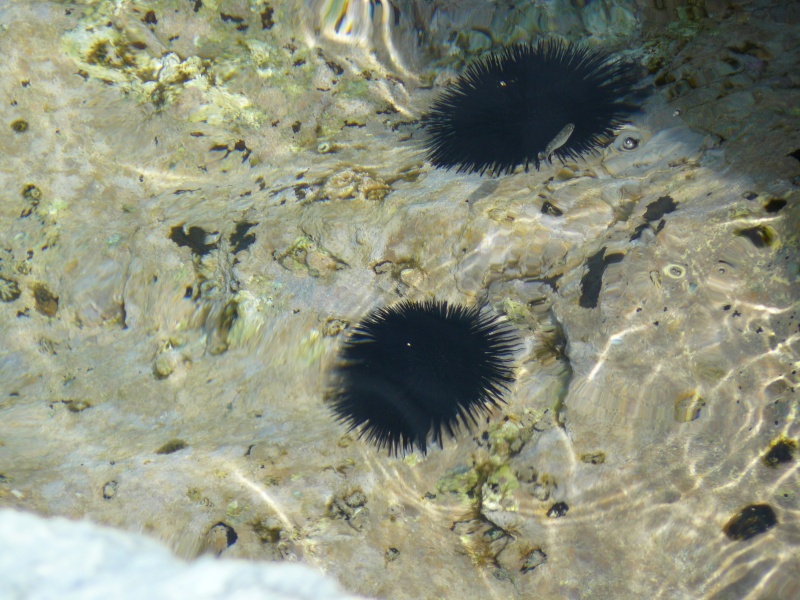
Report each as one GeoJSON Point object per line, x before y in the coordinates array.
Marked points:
{"type": "Point", "coordinates": [196, 207]}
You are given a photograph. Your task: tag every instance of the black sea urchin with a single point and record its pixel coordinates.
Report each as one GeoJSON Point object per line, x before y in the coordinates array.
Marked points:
{"type": "Point", "coordinates": [409, 371]}
{"type": "Point", "coordinates": [527, 105]}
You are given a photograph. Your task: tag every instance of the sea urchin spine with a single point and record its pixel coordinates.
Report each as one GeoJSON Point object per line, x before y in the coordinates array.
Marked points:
{"type": "Point", "coordinates": [527, 105]}
{"type": "Point", "coordinates": [413, 370]}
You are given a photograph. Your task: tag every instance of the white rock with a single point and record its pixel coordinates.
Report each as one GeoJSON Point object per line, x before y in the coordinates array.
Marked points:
{"type": "Point", "coordinates": [58, 558]}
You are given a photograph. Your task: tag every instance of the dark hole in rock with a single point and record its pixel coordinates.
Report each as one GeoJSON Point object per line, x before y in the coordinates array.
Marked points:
{"type": "Point", "coordinates": [654, 212]}
{"type": "Point", "coordinates": [761, 236]}
{"type": "Point", "coordinates": [226, 18]}
{"type": "Point", "coordinates": [795, 154]}
{"type": "Point", "coordinates": [335, 67]}
{"type": "Point", "coordinates": [219, 537]}
{"type": "Point", "coordinates": [172, 446]}
{"type": "Point", "coordinates": [592, 281]}
{"type": "Point", "coordinates": [550, 209]}
{"type": "Point", "coordinates": [657, 209]}
{"type": "Point", "coordinates": [750, 521]}
{"type": "Point", "coordinates": [533, 559]}
{"type": "Point", "coordinates": [194, 238]}
{"type": "Point", "coordinates": [559, 509]}
{"type": "Point", "coordinates": [241, 239]}
{"type": "Point", "coordinates": [230, 533]}
{"type": "Point", "coordinates": [781, 451]}
{"type": "Point", "coordinates": [266, 17]}
{"type": "Point", "coordinates": [774, 205]}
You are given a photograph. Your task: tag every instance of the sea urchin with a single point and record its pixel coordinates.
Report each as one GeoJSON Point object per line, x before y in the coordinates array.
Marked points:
{"type": "Point", "coordinates": [412, 370]}
{"type": "Point", "coordinates": [527, 105]}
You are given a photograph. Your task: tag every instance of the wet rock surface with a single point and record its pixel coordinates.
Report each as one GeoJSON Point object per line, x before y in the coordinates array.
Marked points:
{"type": "Point", "coordinates": [208, 213]}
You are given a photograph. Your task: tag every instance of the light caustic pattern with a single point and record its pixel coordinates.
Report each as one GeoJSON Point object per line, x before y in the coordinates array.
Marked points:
{"type": "Point", "coordinates": [352, 20]}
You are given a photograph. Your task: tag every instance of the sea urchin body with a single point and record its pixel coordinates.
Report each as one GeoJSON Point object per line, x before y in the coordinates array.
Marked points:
{"type": "Point", "coordinates": [413, 370]}
{"type": "Point", "coordinates": [527, 105]}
